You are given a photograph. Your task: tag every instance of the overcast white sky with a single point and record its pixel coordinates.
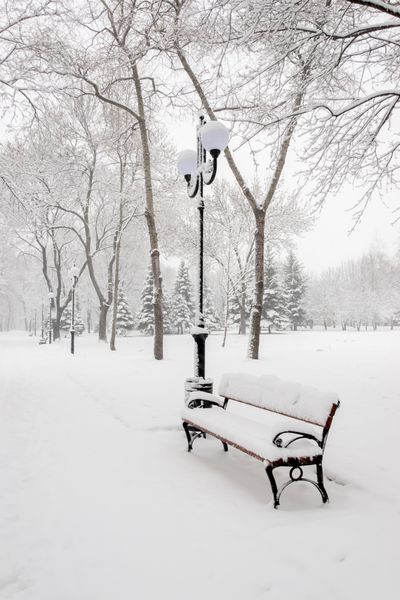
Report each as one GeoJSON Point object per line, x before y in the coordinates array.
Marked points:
{"type": "Point", "coordinates": [329, 243]}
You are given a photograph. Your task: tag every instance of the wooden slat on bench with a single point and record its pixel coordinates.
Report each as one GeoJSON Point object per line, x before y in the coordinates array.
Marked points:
{"type": "Point", "coordinates": [219, 437]}
{"type": "Point", "coordinates": [275, 411]}
{"type": "Point", "coordinates": [301, 460]}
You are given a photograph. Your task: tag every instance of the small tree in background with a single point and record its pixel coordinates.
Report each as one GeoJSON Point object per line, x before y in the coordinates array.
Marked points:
{"type": "Point", "coordinates": [66, 321]}
{"type": "Point", "coordinates": [168, 313]}
{"type": "Point", "coordinates": [125, 321]}
{"type": "Point", "coordinates": [239, 311]}
{"type": "Point", "coordinates": [182, 300]}
{"type": "Point", "coordinates": [145, 318]}
{"type": "Point", "coordinates": [273, 309]}
{"type": "Point", "coordinates": [294, 287]}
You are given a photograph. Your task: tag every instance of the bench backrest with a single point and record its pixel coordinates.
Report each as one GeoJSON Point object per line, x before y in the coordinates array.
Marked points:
{"type": "Point", "coordinates": [287, 398]}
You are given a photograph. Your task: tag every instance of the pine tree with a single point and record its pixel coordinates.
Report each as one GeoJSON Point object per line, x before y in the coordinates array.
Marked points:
{"type": "Point", "coordinates": [145, 318]}
{"type": "Point", "coordinates": [212, 320]}
{"type": "Point", "coordinates": [273, 309]}
{"type": "Point", "coordinates": [294, 287]}
{"type": "Point", "coordinates": [182, 301]}
{"type": "Point", "coordinates": [124, 321]}
{"type": "Point", "coordinates": [239, 311]}
{"type": "Point", "coordinates": [79, 324]}
{"type": "Point", "coordinates": [65, 321]}
{"type": "Point", "coordinates": [168, 314]}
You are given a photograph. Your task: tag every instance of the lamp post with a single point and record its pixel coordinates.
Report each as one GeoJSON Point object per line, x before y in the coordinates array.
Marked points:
{"type": "Point", "coordinates": [198, 169]}
{"type": "Point", "coordinates": [42, 339]}
{"type": "Point", "coordinates": [50, 296]}
{"type": "Point", "coordinates": [73, 273]}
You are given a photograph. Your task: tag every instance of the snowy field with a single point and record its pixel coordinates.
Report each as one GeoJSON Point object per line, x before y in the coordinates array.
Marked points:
{"type": "Point", "coordinates": [99, 499]}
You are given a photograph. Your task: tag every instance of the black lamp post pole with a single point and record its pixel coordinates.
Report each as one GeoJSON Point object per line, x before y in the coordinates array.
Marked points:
{"type": "Point", "coordinates": [50, 319]}
{"type": "Point", "coordinates": [198, 335]}
{"type": "Point", "coordinates": [42, 331]}
{"type": "Point", "coordinates": [73, 316]}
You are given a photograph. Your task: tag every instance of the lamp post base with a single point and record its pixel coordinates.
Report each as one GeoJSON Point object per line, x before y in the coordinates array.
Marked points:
{"type": "Point", "coordinates": [72, 341]}
{"type": "Point", "coordinates": [197, 384]}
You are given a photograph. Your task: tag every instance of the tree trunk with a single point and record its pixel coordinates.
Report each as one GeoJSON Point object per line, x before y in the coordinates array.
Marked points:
{"type": "Point", "coordinates": [56, 326]}
{"type": "Point", "coordinates": [225, 322]}
{"type": "Point", "coordinates": [242, 305]}
{"type": "Point", "coordinates": [150, 219]}
{"type": "Point", "coordinates": [103, 322]}
{"type": "Point", "coordinates": [256, 309]}
{"type": "Point", "coordinates": [115, 294]}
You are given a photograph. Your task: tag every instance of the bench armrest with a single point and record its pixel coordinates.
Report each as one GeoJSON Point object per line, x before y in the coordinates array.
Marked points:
{"type": "Point", "coordinates": [204, 400]}
{"type": "Point", "coordinates": [281, 439]}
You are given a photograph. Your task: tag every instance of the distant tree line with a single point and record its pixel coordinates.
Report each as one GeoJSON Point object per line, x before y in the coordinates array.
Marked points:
{"type": "Point", "coordinates": [359, 293]}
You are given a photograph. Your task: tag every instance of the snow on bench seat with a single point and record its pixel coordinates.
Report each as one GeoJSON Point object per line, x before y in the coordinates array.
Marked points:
{"type": "Point", "coordinates": [252, 437]}
{"type": "Point", "coordinates": [271, 393]}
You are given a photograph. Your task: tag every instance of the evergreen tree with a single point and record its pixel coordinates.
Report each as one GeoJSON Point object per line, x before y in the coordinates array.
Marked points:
{"type": "Point", "coordinates": [239, 311]}
{"type": "Point", "coordinates": [168, 314]}
{"type": "Point", "coordinates": [145, 318]}
{"type": "Point", "coordinates": [182, 301]}
{"type": "Point", "coordinates": [124, 321]}
{"type": "Point", "coordinates": [212, 320]}
{"type": "Point", "coordinates": [65, 321]}
{"type": "Point", "coordinates": [294, 287]}
{"type": "Point", "coordinates": [273, 309]}
{"type": "Point", "coordinates": [79, 324]}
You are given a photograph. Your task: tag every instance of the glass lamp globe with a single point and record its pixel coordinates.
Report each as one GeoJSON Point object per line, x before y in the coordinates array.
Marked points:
{"type": "Point", "coordinates": [214, 137]}
{"type": "Point", "coordinates": [50, 295]}
{"type": "Point", "coordinates": [187, 162]}
{"type": "Point", "coordinates": [73, 272]}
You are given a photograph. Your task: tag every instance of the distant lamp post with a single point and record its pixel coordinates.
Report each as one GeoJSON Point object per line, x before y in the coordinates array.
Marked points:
{"type": "Point", "coordinates": [198, 169]}
{"type": "Point", "coordinates": [74, 274]}
{"type": "Point", "coordinates": [50, 296]}
{"type": "Point", "coordinates": [42, 339]}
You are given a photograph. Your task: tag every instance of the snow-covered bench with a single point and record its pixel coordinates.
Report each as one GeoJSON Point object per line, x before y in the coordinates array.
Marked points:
{"type": "Point", "coordinates": [286, 444]}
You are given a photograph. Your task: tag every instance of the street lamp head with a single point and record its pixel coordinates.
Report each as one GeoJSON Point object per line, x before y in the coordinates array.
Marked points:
{"type": "Point", "coordinates": [214, 137]}
{"type": "Point", "coordinates": [187, 163]}
{"type": "Point", "coordinates": [50, 295]}
{"type": "Point", "coordinates": [74, 272]}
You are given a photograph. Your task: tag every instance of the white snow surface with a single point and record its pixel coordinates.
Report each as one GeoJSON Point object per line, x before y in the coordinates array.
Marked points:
{"type": "Point", "coordinates": [100, 500]}
{"type": "Point", "coordinates": [271, 393]}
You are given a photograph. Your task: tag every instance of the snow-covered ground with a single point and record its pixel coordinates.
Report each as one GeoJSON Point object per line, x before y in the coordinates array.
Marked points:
{"type": "Point", "coordinates": [99, 499]}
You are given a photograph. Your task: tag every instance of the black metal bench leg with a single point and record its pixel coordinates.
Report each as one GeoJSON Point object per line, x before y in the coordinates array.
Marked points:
{"type": "Point", "coordinates": [188, 436]}
{"type": "Point", "coordinates": [320, 478]}
{"type": "Point", "coordinates": [274, 487]}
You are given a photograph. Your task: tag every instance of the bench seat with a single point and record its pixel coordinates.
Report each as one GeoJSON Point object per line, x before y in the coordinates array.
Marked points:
{"type": "Point", "coordinates": [249, 436]}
